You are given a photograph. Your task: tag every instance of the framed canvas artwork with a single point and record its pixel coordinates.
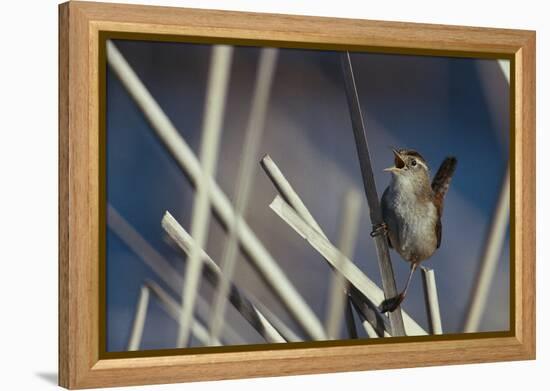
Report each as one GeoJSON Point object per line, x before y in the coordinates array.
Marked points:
{"type": "Point", "coordinates": [251, 195]}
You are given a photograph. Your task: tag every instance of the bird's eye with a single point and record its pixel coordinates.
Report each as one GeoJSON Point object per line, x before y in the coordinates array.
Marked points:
{"type": "Point", "coordinates": [413, 163]}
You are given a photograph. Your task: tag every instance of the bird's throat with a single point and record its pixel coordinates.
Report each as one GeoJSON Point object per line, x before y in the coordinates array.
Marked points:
{"type": "Point", "coordinates": [411, 186]}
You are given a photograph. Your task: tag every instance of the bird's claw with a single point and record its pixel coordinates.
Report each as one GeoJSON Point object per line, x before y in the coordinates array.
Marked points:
{"type": "Point", "coordinates": [379, 229]}
{"type": "Point", "coordinates": [391, 304]}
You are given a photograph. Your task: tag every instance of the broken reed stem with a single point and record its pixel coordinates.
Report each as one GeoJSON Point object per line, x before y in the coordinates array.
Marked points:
{"type": "Point", "coordinates": [161, 267]}
{"type": "Point", "coordinates": [256, 319]}
{"type": "Point", "coordinates": [245, 177]}
{"type": "Point", "coordinates": [371, 293]}
{"type": "Point", "coordinates": [359, 132]}
{"type": "Point", "coordinates": [139, 320]}
{"type": "Point", "coordinates": [216, 92]}
{"type": "Point", "coordinates": [363, 303]}
{"type": "Point", "coordinates": [188, 162]}
{"type": "Point", "coordinates": [339, 286]}
{"type": "Point", "coordinates": [431, 300]}
{"type": "Point", "coordinates": [285, 189]}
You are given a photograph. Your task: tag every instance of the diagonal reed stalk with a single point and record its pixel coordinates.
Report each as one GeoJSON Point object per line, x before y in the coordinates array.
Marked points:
{"type": "Point", "coordinates": [363, 306]}
{"type": "Point", "coordinates": [361, 301]}
{"type": "Point", "coordinates": [366, 317]}
{"type": "Point", "coordinates": [214, 275]}
{"type": "Point", "coordinates": [253, 137]}
{"type": "Point", "coordinates": [216, 92]}
{"type": "Point", "coordinates": [188, 162]}
{"type": "Point", "coordinates": [493, 244]}
{"type": "Point", "coordinates": [371, 331]}
{"type": "Point", "coordinates": [339, 286]}
{"type": "Point", "coordinates": [350, 271]}
{"type": "Point", "coordinates": [171, 307]}
{"type": "Point", "coordinates": [172, 278]}
{"type": "Point", "coordinates": [359, 132]}
{"type": "Point", "coordinates": [161, 267]}
{"type": "Point", "coordinates": [489, 258]}
{"type": "Point", "coordinates": [287, 333]}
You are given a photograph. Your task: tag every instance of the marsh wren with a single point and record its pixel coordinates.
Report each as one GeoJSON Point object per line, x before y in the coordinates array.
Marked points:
{"type": "Point", "coordinates": [412, 209]}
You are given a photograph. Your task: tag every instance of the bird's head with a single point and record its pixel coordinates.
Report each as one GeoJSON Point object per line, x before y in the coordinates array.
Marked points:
{"type": "Point", "coordinates": [409, 165]}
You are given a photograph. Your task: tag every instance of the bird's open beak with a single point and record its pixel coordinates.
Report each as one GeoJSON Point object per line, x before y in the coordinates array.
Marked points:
{"type": "Point", "coordinates": [398, 160]}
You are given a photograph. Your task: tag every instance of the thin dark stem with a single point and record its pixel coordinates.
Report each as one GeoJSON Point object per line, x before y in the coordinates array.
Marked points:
{"type": "Point", "coordinates": [350, 321]}
{"type": "Point", "coordinates": [384, 262]}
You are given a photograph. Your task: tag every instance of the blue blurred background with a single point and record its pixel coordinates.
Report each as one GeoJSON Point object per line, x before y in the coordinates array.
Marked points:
{"type": "Point", "coordinates": [437, 105]}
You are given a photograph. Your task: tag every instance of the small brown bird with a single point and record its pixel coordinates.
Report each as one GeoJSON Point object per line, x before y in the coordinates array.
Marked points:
{"type": "Point", "coordinates": [412, 209]}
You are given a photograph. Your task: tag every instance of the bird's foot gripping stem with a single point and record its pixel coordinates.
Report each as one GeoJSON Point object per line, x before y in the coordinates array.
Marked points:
{"type": "Point", "coordinates": [379, 229]}
{"type": "Point", "coordinates": [391, 304]}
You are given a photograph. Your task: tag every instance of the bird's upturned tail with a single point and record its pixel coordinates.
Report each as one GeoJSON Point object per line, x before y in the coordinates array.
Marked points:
{"type": "Point", "coordinates": [442, 179]}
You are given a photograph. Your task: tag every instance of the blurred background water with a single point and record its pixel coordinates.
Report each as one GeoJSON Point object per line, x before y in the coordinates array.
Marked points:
{"type": "Point", "coordinates": [437, 105]}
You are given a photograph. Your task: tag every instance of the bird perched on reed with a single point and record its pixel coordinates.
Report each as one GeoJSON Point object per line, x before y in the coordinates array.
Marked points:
{"type": "Point", "coordinates": [412, 208]}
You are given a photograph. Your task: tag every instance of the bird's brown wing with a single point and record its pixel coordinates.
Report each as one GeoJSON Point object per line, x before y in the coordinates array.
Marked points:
{"type": "Point", "coordinates": [438, 231]}
{"type": "Point", "coordinates": [440, 185]}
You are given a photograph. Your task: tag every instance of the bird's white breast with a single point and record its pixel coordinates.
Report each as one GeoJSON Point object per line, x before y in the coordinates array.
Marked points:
{"type": "Point", "coordinates": [413, 230]}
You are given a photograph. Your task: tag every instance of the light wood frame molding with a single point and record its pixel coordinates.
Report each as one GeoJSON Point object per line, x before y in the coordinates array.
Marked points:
{"type": "Point", "coordinates": [80, 24]}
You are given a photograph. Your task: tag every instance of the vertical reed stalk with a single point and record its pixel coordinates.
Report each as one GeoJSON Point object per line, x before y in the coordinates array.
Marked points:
{"type": "Point", "coordinates": [371, 295]}
{"type": "Point", "coordinates": [253, 137]}
{"type": "Point", "coordinates": [190, 165]}
{"type": "Point", "coordinates": [218, 81]}
{"type": "Point", "coordinates": [339, 285]}
{"type": "Point", "coordinates": [139, 320]}
{"type": "Point", "coordinates": [489, 259]}
{"type": "Point", "coordinates": [493, 245]}
{"type": "Point", "coordinates": [364, 299]}
{"type": "Point", "coordinates": [214, 275]}
{"type": "Point", "coordinates": [160, 266]}
{"type": "Point", "coordinates": [359, 132]}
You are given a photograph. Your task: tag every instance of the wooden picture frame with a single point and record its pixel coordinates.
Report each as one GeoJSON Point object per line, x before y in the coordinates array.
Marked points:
{"type": "Point", "coordinates": [81, 221]}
